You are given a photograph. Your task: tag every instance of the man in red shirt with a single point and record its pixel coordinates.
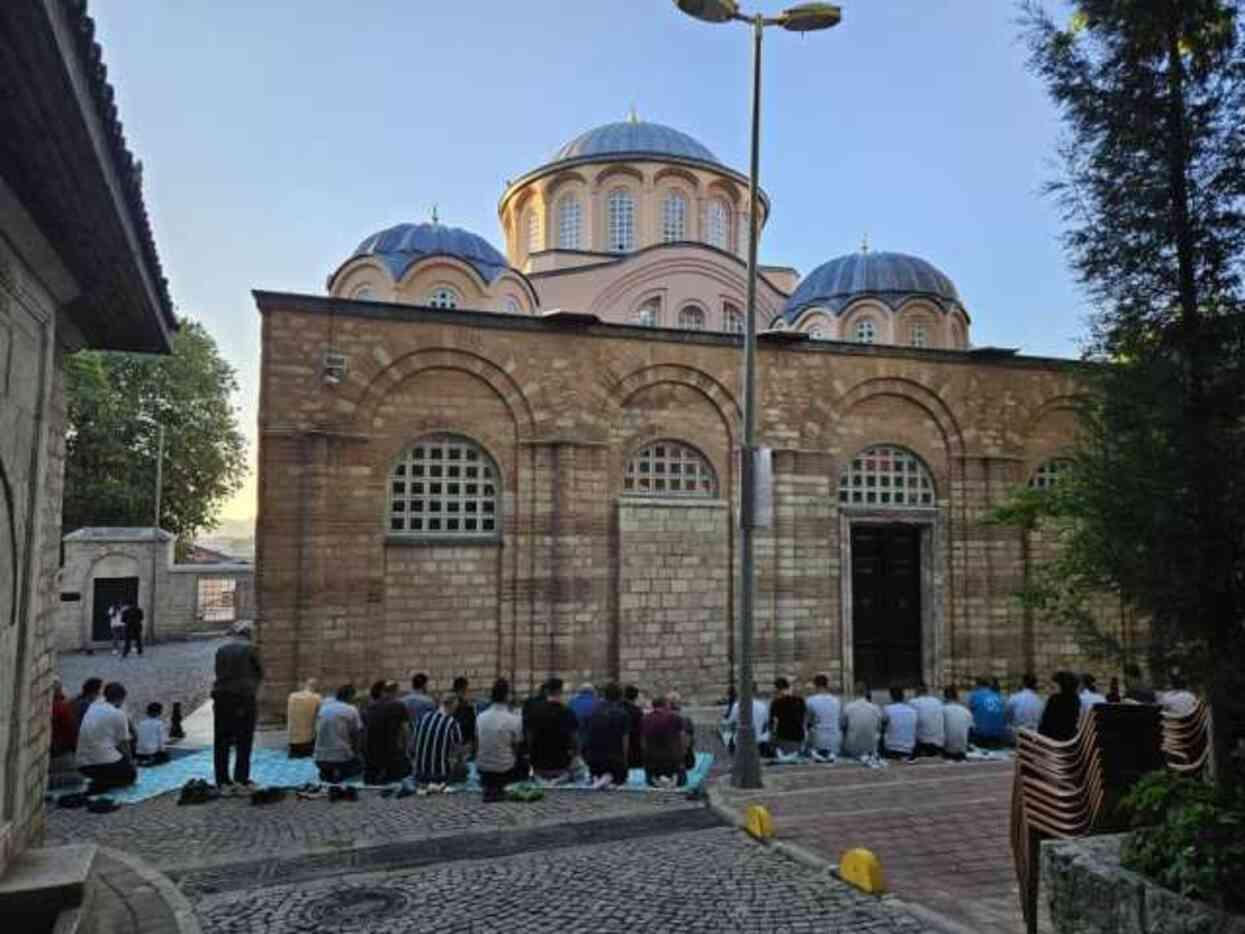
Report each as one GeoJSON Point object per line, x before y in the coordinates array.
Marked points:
{"type": "Point", "coordinates": [664, 744]}
{"type": "Point", "coordinates": [64, 723]}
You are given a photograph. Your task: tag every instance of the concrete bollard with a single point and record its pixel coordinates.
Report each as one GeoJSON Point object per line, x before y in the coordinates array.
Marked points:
{"type": "Point", "coordinates": [862, 869]}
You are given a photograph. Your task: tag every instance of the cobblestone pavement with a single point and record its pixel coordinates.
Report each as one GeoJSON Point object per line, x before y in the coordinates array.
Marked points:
{"type": "Point", "coordinates": [165, 672]}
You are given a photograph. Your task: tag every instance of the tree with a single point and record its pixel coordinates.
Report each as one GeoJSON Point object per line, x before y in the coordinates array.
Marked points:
{"type": "Point", "coordinates": [1151, 93]}
{"type": "Point", "coordinates": [116, 403]}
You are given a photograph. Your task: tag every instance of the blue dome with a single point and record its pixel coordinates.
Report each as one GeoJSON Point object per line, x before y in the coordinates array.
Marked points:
{"type": "Point", "coordinates": [633, 138]}
{"type": "Point", "coordinates": [405, 244]}
{"type": "Point", "coordinates": [891, 277]}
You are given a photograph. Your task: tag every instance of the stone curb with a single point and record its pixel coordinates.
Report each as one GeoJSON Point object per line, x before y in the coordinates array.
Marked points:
{"type": "Point", "coordinates": [178, 904]}
{"type": "Point", "coordinates": [807, 857]}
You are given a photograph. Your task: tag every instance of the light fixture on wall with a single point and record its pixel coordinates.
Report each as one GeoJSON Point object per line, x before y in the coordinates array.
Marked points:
{"type": "Point", "coordinates": [334, 367]}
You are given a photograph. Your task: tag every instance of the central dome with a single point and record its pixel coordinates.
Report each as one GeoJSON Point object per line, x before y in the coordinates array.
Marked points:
{"type": "Point", "coordinates": [634, 138]}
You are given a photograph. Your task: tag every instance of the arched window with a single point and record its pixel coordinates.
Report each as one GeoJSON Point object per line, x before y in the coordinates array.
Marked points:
{"type": "Point", "coordinates": [674, 217]}
{"type": "Point", "coordinates": [669, 468]}
{"type": "Point", "coordinates": [817, 333]}
{"type": "Point", "coordinates": [1049, 473]}
{"type": "Point", "coordinates": [620, 217]}
{"type": "Point", "coordinates": [513, 306]}
{"type": "Point", "coordinates": [445, 485]}
{"type": "Point", "coordinates": [364, 293]}
{"type": "Point", "coordinates": [533, 230]}
{"type": "Point", "coordinates": [864, 331]}
{"type": "Point", "coordinates": [886, 476]}
{"type": "Point", "coordinates": [958, 340]}
{"type": "Point", "coordinates": [732, 319]}
{"type": "Point", "coordinates": [443, 297]}
{"type": "Point", "coordinates": [648, 314]}
{"type": "Point", "coordinates": [920, 334]}
{"type": "Point", "coordinates": [570, 223]}
{"type": "Point", "coordinates": [718, 224]}
{"type": "Point", "coordinates": [692, 318]}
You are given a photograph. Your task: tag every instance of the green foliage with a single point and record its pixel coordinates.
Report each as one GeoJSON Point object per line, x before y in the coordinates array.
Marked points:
{"type": "Point", "coordinates": [116, 401]}
{"type": "Point", "coordinates": [1188, 836]}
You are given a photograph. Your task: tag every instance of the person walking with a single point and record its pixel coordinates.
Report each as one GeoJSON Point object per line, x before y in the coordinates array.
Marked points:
{"type": "Point", "coordinates": [238, 675]}
{"type": "Point", "coordinates": [132, 618]}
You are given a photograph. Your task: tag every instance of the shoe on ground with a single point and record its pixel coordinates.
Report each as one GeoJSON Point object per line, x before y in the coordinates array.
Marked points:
{"type": "Point", "coordinates": [245, 788]}
{"type": "Point", "coordinates": [601, 782]}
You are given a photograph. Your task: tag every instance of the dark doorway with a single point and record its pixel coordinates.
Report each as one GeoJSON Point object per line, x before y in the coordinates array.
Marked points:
{"type": "Point", "coordinates": [110, 590]}
{"type": "Point", "coordinates": [886, 604]}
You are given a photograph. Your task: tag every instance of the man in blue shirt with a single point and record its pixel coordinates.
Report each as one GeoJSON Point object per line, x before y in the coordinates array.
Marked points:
{"type": "Point", "coordinates": [989, 720]}
{"type": "Point", "coordinates": [581, 705]}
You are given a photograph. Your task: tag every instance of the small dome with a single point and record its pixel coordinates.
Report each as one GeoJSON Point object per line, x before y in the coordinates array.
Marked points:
{"type": "Point", "coordinates": [405, 244]}
{"type": "Point", "coordinates": [634, 138]}
{"type": "Point", "coordinates": [891, 277]}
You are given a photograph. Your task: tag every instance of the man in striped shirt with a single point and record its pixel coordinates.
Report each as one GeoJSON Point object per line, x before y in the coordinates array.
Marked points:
{"type": "Point", "coordinates": [437, 745]}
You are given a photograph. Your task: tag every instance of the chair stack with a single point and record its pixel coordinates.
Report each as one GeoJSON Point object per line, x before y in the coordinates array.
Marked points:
{"type": "Point", "coordinates": [1069, 788]}
{"type": "Point", "coordinates": [1186, 740]}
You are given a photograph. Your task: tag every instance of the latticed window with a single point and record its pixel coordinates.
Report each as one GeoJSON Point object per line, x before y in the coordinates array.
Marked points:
{"type": "Point", "coordinates": [444, 485]}
{"type": "Point", "coordinates": [692, 318]}
{"type": "Point", "coordinates": [620, 218]}
{"type": "Point", "coordinates": [886, 476]}
{"type": "Point", "coordinates": [533, 230]}
{"type": "Point", "coordinates": [674, 217]}
{"type": "Point", "coordinates": [732, 319]}
{"type": "Point", "coordinates": [718, 225]}
{"type": "Point", "coordinates": [647, 314]}
{"type": "Point", "coordinates": [817, 333]}
{"type": "Point", "coordinates": [1049, 474]}
{"type": "Point", "coordinates": [864, 331]}
{"type": "Point", "coordinates": [669, 468]}
{"type": "Point", "coordinates": [570, 223]}
{"type": "Point", "coordinates": [364, 293]}
{"type": "Point", "coordinates": [513, 306]}
{"type": "Point", "coordinates": [443, 297]}
{"type": "Point", "coordinates": [920, 334]}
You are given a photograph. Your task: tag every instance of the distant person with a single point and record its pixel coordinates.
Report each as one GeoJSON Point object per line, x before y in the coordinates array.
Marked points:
{"type": "Point", "coordinates": [760, 723]}
{"type": "Point", "coordinates": [1062, 714]}
{"type": "Point", "coordinates": [1179, 699]}
{"type": "Point", "coordinates": [437, 755]}
{"type": "Point", "coordinates": [417, 701]}
{"type": "Point", "coordinates": [88, 696]}
{"type": "Point", "coordinates": [607, 739]}
{"type": "Point", "coordinates": [663, 745]}
{"type": "Point", "coordinates": [899, 720]}
{"type": "Point", "coordinates": [787, 713]}
{"type": "Point", "coordinates": [499, 735]}
{"type": "Point", "coordinates": [989, 721]}
{"type": "Point", "coordinates": [149, 737]}
{"type": "Point", "coordinates": [104, 743]}
{"type": "Point", "coordinates": [862, 725]}
{"type": "Point", "coordinates": [301, 708]}
{"type": "Point", "coordinates": [825, 713]}
{"type": "Point", "coordinates": [635, 739]}
{"type": "Point", "coordinates": [675, 701]}
{"type": "Point", "coordinates": [64, 723]}
{"type": "Point", "coordinates": [930, 734]}
{"type": "Point", "coordinates": [465, 714]}
{"type": "Point", "coordinates": [957, 721]}
{"type": "Point", "coordinates": [1090, 697]}
{"type": "Point", "coordinates": [1113, 692]}
{"type": "Point", "coordinates": [132, 617]}
{"type": "Point", "coordinates": [116, 625]}
{"type": "Point", "coordinates": [1023, 710]}
{"type": "Point", "coordinates": [339, 737]}
{"type": "Point", "coordinates": [582, 704]}
{"type": "Point", "coordinates": [1135, 687]}
{"type": "Point", "coordinates": [385, 736]}
{"type": "Point", "coordinates": [238, 674]}
{"type": "Point", "coordinates": [552, 734]}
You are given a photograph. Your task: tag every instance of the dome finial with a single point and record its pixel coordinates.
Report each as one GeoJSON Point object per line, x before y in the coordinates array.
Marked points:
{"type": "Point", "coordinates": [864, 242]}
{"type": "Point", "coordinates": [435, 219]}
{"type": "Point", "coordinates": [632, 116]}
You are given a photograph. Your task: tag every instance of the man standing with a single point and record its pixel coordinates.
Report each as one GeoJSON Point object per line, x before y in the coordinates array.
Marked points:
{"type": "Point", "coordinates": [899, 740]}
{"type": "Point", "coordinates": [862, 725]}
{"type": "Point", "coordinates": [550, 728]}
{"type": "Point", "coordinates": [132, 616]}
{"type": "Point", "coordinates": [824, 716]}
{"type": "Point", "coordinates": [787, 713]}
{"type": "Point", "coordinates": [417, 701]}
{"type": "Point", "coordinates": [436, 750]}
{"type": "Point", "coordinates": [956, 722]}
{"type": "Point", "coordinates": [117, 626]}
{"type": "Point", "coordinates": [238, 674]}
{"type": "Point", "coordinates": [339, 737]}
{"type": "Point", "coordinates": [606, 741]}
{"type": "Point", "coordinates": [499, 734]}
{"type": "Point", "coordinates": [929, 723]}
{"type": "Point", "coordinates": [1024, 708]}
{"type": "Point", "coordinates": [104, 743]}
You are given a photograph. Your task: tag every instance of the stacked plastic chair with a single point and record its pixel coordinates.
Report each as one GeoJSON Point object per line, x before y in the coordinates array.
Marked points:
{"type": "Point", "coordinates": [1070, 788]}
{"type": "Point", "coordinates": [1186, 740]}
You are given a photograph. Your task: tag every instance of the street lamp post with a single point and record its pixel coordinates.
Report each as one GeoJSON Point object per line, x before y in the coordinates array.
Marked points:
{"type": "Point", "coordinates": [806, 17]}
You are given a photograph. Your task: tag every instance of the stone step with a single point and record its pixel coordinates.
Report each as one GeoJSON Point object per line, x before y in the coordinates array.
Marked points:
{"type": "Point", "coordinates": [41, 884]}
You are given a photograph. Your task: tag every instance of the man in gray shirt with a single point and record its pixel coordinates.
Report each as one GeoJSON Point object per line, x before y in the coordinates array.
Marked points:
{"type": "Point", "coordinates": [238, 674]}
{"type": "Point", "coordinates": [862, 724]}
{"type": "Point", "coordinates": [418, 702]}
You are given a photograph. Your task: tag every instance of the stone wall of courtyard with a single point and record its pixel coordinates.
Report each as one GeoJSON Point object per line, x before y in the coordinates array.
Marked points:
{"type": "Point", "coordinates": [559, 406]}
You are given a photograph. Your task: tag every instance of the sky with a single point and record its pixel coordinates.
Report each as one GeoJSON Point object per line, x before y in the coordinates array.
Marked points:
{"type": "Point", "coordinates": [277, 136]}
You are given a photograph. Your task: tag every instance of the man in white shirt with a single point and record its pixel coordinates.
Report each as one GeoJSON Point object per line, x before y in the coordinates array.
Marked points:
{"type": "Point", "coordinates": [899, 740]}
{"type": "Point", "coordinates": [1089, 693]}
{"type": "Point", "coordinates": [149, 737]}
{"type": "Point", "coordinates": [862, 725]}
{"type": "Point", "coordinates": [760, 722]}
{"type": "Point", "coordinates": [929, 730]}
{"type": "Point", "coordinates": [339, 737]}
{"type": "Point", "coordinates": [499, 733]}
{"type": "Point", "coordinates": [104, 743]}
{"type": "Point", "coordinates": [1179, 700]}
{"type": "Point", "coordinates": [825, 713]}
{"type": "Point", "coordinates": [1024, 708]}
{"type": "Point", "coordinates": [957, 720]}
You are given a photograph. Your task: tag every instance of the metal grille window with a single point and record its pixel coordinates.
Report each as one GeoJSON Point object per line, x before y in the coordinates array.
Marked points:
{"type": "Point", "coordinates": [364, 293]}
{"type": "Point", "coordinates": [717, 225]}
{"type": "Point", "coordinates": [570, 223]}
{"type": "Point", "coordinates": [864, 332]}
{"type": "Point", "coordinates": [1049, 474]}
{"type": "Point", "coordinates": [674, 217]}
{"type": "Point", "coordinates": [886, 476]}
{"type": "Point", "coordinates": [669, 468]}
{"type": "Point", "coordinates": [732, 319]}
{"type": "Point", "coordinates": [444, 485]}
{"type": "Point", "coordinates": [920, 335]}
{"type": "Point", "coordinates": [692, 318]}
{"type": "Point", "coordinates": [533, 230]}
{"type": "Point", "coordinates": [621, 221]}
{"type": "Point", "coordinates": [647, 314]}
{"type": "Point", "coordinates": [817, 333]}
{"type": "Point", "coordinates": [443, 298]}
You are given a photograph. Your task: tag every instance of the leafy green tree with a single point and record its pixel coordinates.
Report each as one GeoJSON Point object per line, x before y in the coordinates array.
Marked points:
{"type": "Point", "coordinates": [116, 404]}
{"type": "Point", "coordinates": [1152, 93]}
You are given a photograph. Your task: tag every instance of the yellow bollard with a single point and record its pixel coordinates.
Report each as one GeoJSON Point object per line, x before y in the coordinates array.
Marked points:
{"type": "Point", "coordinates": [758, 822]}
{"type": "Point", "coordinates": [862, 869]}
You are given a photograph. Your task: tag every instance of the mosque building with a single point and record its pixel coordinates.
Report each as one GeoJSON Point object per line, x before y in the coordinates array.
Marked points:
{"type": "Point", "coordinates": [525, 462]}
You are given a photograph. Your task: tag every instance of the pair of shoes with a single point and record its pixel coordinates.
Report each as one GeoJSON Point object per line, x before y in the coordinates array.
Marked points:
{"type": "Point", "coordinates": [197, 791]}
{"type": "Point", "coordinates": [75, 800]}
{"type": "Point", "coordinates": [102, 806]}
{"type": "Point", "coordinates": [242, 789]}
{"type": "Point", "coordinates": [343, 793]}
{"type": "Point", "coordinates": [525, 793]}
{"type": "Point", "coordinates": [602, 781]}
{"type": "Point", "coordinates": [311, 791]}
{"type": "Point", "coordinates": [267, 795]}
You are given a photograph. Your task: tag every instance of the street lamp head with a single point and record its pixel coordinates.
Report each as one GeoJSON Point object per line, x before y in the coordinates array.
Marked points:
{"type": "Point", "coordinates": [809, 17]}
{"type": "Point", "coordinates": [711, 11]}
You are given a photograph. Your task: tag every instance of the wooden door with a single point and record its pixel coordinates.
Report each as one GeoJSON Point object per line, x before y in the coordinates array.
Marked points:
{"type": "Point", "coordinates": [886, 604]}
